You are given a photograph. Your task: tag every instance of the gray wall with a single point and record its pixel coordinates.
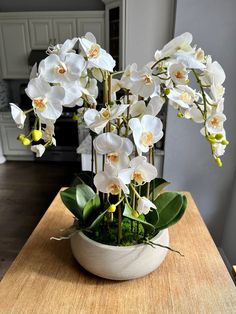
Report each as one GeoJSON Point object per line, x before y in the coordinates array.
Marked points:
{"type": "Point", "coordinates": [188, 160]}
{"type": "Point", "coordinates": [50, 5]}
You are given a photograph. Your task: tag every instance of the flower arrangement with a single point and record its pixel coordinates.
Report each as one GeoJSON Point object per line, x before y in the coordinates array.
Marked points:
{"type": "Point", "coordinates": [124, 203]}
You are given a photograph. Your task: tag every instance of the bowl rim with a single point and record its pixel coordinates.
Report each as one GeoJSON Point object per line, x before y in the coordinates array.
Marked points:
{"type": "Point", "coordinates": [80, 233]}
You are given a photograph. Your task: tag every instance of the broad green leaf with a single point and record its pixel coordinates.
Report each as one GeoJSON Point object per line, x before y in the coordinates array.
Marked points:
{"type": "Point", "coordinates": [69, 199]}
{"type": "Point", "coordinates": [92, 205]}
{"type": "Point", "coordinates": [158, 188]}
{"type": "Point", "coordinates": [179, 215]}
{"type": "Point", "coordinates": [97, 221]}
{"type": "Point", "coordinates": [152, 217]}
{"type": "Point", "coordinates": [146, 225]}
{"type": "Point", "coordinates": [156, 185]}
{"type": "Point", "coordinates": [83, 194]}
{"type": "Point", "coordinates": [168, 205]}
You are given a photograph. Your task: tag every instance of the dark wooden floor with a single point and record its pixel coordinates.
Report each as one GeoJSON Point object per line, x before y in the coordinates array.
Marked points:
{"type": "Point", "coordinates": [26, 191]}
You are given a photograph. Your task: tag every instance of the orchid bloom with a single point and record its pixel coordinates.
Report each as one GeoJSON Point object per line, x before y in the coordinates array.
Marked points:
{"type": "Point", "coordinates": [189, 60]}
{"type": "Point", "coordinates": [46, 99]}
{"type": "Point", "coordinates": [116, 148]}
{"type": "Point", "coordinates": [63, 49]}
{"type": "Point", "coordinates": [97, 120]}
{"type": "Point", "coordinates": [142, 170]}
{"type": "Point", "coordinates": [18, 115]}
{"type": "Point", "coordinates": [96, 56]}
{"type": "Point", "coordinates": [139, 108]}
{"type": "Point", "coordinates": [182, 96]}
{"type": "Point", "coordinates": [38, 149]}
{"type": "Point", "coordinates": [213, 74]}
{"type": "Point", "coordinates": [181, 42]}
{"type": "Point", "coordinates": [144, 206]}
{"type": "Point", "coordinates": [146, 132]}
{"type": "Point", "coordinates": [113, 181]}
{"type": "Point", "coordinates": [144, 83]}
{"type": "Point", "coordinates": [214, 123]}
{"type": "Point", "coordinates": [55, 69]}
{"type": "Point", "coordinates": [178, 73]}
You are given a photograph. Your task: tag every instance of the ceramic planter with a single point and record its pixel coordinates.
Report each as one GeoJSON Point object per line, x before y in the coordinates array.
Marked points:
{"type": "Point", "coordinates": [117, 262]}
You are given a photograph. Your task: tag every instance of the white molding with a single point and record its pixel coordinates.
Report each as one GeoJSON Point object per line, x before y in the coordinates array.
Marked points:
{"type": "Point", "coordinates": [51, 14]}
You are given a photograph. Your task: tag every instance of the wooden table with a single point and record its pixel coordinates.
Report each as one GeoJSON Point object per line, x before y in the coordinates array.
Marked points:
{"type": "Point", "coordinates": [45, 278]}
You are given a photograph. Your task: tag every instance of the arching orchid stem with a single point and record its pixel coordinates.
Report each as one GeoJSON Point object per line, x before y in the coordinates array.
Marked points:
{"type": "Point", "coordinates": [117, 73]}
{"type": "Point", "coordinates": [28, 111]}
{"type": "Point", "coordinates": [119, 235]}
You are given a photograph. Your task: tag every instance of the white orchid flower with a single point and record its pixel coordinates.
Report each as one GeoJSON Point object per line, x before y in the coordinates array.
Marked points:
{"type": "Point", "coordinates": [189, 60]}
{"type": "Point", "coordinates": [63, 49]}
{"type": "Point", "coordinates": [113, 181]}
{"type": "Point", "coordinates": [38, 149]}
{"type": "Point", "coordinates": [181, 42]}
{"type": "Point", "coordinates": [139, 108]}
{"type": "Point", "coordinates": [178, 73]}
{"type": "Point", "coordinates": [126, 79]}
{"type": "Point", "coordinates": [116, 148]}
{"type": "Point", "coordinates": [194, 114]}
{"type": "Point", "coordinates": [73, 92]}
{"type": "Point", "coordinates": [144, 206]}
{"type": "Point", "coordinates": [214, 123]}
{"type": "Point", "coordinates": [49, 132]}
{"type": "Point", "coordinates": [97, 120]}
{"type": "Point", "coordinates": [146, 132]}
{"type": "Point", "coordinates": [183, 96]}
{"type": "Point", "coordinates": [61, 70]}
{"type": "Point", "coordinates": [142, 170]}
{"type": "Point", "coordinates": [18, 115]}
{"type": "Point", "coordinates": [213, 74]}
{"type": "Point", "coordinates": [46, 99]}
{"type": "Point", "coordinates": [144, 83]}
{"type": "Point", "coordinates": [97, 57]}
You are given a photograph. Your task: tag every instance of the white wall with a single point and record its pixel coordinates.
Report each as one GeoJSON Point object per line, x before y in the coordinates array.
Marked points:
{"type": "Point", "coordinates": [188, 161]}
{"type": "Point", "coordinates": [148, 27]}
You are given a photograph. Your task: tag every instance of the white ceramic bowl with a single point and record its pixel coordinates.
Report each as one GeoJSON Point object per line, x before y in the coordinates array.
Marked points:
{"type": "Point", "coordinates": [119, 262]}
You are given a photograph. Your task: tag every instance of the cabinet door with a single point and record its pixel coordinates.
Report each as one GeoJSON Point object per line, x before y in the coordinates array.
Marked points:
{"type": "Point", "coordinates": [64, 29]}
{"type": "Point", "coordinates": [41, 33]}
{"type": "Point", "coordinates": [14, 48]}
{"type": "Point", "coordinates": [93, 25]}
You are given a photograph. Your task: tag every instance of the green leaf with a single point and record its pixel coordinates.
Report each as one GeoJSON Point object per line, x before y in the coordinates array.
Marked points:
{"type": "Point", "coordinates": [69, 199]}
{"type": "Point", "coordinates": [156, 185]}
{"type": "Point", "coordinates": [91, 206]}
{"type": "Point", "coordinates": [159, 186]}
{"type": "Point", "coordinates": [83, 194]}
{"type": "Point", "coordinates": [97, 221]}
{"type": "Point", "coordinates": [180, 214]}
{"type": "Point", "coordinates": [146, 225]}
{"type": "Point", "coordinates": [168, 205]}
{"type": "Point", "coordinates": [152, 217]}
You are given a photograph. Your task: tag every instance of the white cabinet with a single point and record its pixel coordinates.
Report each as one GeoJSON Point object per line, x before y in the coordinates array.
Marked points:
{"type": "Point", "coordinates": [64, 28]}
{"type": "Point", "coordinates": [22, 32]}
{"type": "Point", "coordinates": [14, 48]}
{"type": "Point", "coordinates": [41, 33]}
{"type": "Point", "coordinates": [12, 148]}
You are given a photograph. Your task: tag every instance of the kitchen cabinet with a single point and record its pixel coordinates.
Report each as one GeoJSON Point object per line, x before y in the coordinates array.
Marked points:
{"type": "Point", "coordinates": [14, 48]}
{"type": "Point", "coordinates": [22, 32]}
{"type": "Point", "coordinates": [12, 148]}
{"type": "Point", "coordinates": [41, 33]}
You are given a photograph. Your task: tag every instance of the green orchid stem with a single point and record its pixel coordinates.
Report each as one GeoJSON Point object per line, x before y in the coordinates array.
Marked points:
{"type": "Point", "coordinates": [28, 111]}
{"type": "Point", "coordinates": [119, 235]}
{"type": "Point", "coordinates": [156, 63]}
{"type": "Point", "coordinates": [136, 193]}
{"type": "Point", "coordinates": [121, 200]}
{"type": "Point", "coordinates": [117, 73]}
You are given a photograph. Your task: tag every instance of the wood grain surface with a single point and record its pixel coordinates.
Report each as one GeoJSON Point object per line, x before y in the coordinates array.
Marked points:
{"type": "Point", "coordinates": [46, 279]}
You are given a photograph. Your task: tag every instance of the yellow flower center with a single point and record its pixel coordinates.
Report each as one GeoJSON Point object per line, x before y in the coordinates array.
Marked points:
{"type": "Point", "coordinates": [105, 114]}
{"type": "Point", "coordinates": [214, 122]}
{"type": "Point", "coordinates": [137, 176]}
{"type": "Point", "coordinates": [114, 188]}
{"type": "Point", "coordinates": [147, 138]}
{"type": "Point", "coordinates": [147, 79]}
{"type": "Point", "coordinates": [113, 157]}
{"type": "Point", "coordinates": [61, 69]}
{"type": "Point", "coordinates": [39, 103]}
{"type": "Point", "coordinates": [94, 51]}
{"type": "Point", "coordinates": [179, 75]}
{"type": "Point", "coordinates": [185, 97]}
